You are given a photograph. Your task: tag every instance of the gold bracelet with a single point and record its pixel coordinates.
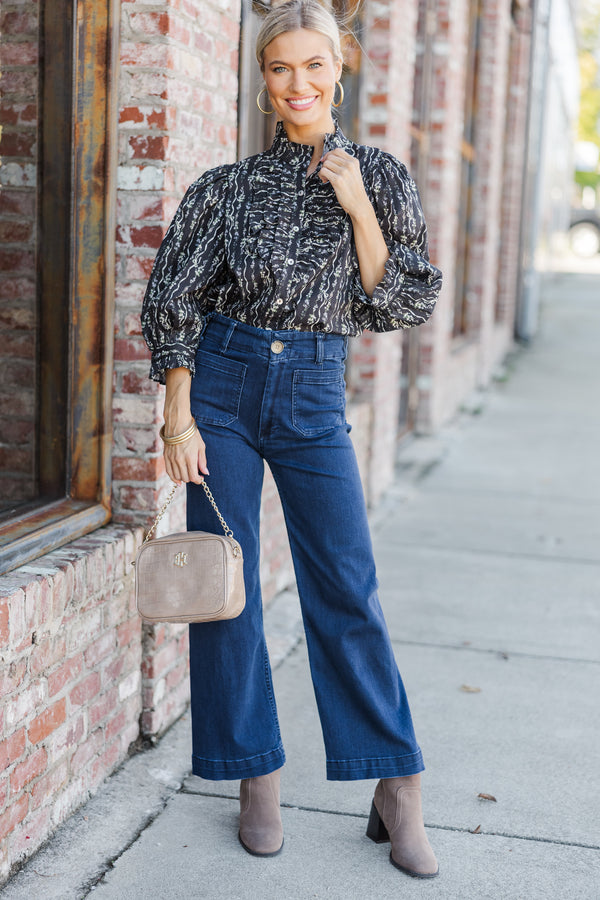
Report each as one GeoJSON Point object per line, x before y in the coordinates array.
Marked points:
{"type": "Point", "coordinates": [178, 438]}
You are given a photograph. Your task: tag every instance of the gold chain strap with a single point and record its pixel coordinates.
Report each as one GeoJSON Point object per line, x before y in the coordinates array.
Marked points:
{"type": "Point", "coordinates": [208, 492]}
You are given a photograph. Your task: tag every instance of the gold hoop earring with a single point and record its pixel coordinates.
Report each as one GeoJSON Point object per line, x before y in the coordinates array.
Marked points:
{"type": "Point", "coordinates": [267, 112]}
{"type": "Point", "coordinates": [341, 100]}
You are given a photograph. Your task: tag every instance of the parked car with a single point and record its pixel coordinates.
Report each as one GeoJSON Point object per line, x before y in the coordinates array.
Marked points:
{"type": "Point", "coordinates": [584, 232]}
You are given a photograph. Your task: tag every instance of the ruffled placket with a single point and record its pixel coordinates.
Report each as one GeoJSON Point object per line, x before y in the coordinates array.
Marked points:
{"type": "Point", "coordinates": [289, 211]}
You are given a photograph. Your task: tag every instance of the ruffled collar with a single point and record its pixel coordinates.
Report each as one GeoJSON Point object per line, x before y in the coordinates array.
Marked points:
{"type": "Point", "coordinates": [290, 151]}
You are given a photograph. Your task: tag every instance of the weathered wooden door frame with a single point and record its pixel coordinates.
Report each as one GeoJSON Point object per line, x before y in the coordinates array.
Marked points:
{"type": "Point", "coordinates": [79, 40]}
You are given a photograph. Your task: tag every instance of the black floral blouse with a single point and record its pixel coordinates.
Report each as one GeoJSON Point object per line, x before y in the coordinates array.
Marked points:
{"type": "Point", "coordinates": [258, 241]}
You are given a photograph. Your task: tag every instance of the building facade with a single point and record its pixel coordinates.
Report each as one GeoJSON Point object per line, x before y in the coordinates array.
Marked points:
{"type": "Point", "coordinates": [111, 109]}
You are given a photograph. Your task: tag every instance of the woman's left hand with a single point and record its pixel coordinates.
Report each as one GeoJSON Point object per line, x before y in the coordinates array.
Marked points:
{"type": "Point", "coordinates": [342, 171]}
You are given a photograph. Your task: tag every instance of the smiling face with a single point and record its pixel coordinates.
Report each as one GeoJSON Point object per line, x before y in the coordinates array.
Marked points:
{"type": "Point", "coordinates": [300, 74]}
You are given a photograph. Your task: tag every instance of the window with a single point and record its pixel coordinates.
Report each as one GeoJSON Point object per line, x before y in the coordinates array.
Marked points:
{"type": "Point", "coordinates": [460, 324]}
{"type": "Point", "coordinates": [57, 282]}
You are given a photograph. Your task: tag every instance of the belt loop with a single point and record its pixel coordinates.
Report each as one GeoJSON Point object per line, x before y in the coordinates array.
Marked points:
{"type": "Point", "coordinates": [228, 337]}
{"type": "Point", "coordinates": [319, 354]}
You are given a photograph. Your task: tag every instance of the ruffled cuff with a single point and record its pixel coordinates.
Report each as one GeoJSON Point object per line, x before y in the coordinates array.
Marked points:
{"type": "Point", "coordinates": [407, 274]}
{"type": "Point", "coordinates": [171, 356]}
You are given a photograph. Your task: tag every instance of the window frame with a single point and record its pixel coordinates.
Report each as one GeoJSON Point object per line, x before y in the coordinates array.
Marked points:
{"type": "Point", "coordinates": [462, 321]}
{"type": "Point", "coordinates": [76, 278]}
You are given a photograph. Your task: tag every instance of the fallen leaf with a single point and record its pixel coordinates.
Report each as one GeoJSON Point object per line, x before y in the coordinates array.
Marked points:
{"type": "Point", "coordinates": [469, 689]}
{"type": "Point", "coordinates": [476, 830]}
{"type": "Point", "coordinates": [487, 797]}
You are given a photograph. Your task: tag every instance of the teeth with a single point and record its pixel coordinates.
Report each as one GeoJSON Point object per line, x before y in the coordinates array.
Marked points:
{"type": "Point", "coordinates": [306, 102]}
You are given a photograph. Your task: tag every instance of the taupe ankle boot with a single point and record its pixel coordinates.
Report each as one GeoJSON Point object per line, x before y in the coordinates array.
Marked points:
{"type": "Point", "coordinates": [396, 816]}
{"type": "Point", "coordinates": [261, 831]}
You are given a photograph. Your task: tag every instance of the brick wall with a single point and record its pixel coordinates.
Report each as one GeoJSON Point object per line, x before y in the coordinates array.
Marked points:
{"type": "Point", "coordinates": [18, 117]}
{"type": "Point", "coordinates": [82, 679]}
{"type": "Point", "coordinates": [489, 185]}
{"type": "Point", "coordinates": [514, 172]}
{"type": "Point", "coordinates": [178, 93]}
{"type": "Point", "coordinates": [70, 684]}
{"type": "Point", "coordinates": [451, 368]}
{"type": "Point", "coordinates": [439, 392]}
{"type": "Point", "coordinates": [375, 362]}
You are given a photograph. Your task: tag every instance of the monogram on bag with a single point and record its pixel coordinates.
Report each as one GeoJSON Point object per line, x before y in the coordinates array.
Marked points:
{"type": "Point", "coordinates": [192, 576]}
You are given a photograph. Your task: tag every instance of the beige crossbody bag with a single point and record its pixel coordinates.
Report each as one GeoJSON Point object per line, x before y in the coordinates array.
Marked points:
{"type": "Point", "coordinates": [193, 576]}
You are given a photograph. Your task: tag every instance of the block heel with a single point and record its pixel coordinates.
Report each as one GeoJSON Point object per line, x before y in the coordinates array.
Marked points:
{"type": "Point", "coordinates": [376, 830]}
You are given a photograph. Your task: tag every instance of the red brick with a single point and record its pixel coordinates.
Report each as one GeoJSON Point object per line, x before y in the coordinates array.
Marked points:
{"type": "Point", "coordinates": [147, 147]}
{"type": "Point", "coordinates": [17, 113]}
{"type": "Point", "coordinates": [115, 725]}
{"type": "Point", "coordinates": [17, 261]}
{"type": "Point", "coordinates": [26, 840]}
{"type": "Point", "coordinates": [105, 764]}
{"type": "Point", "coordinates": [17, 203]}
{"type": "Point", "coordinates": [12, 749]}
{"type": "Point", "coordinates": [66, 738]}
{"type": "Point", "coordinates": [113, 671]}
{"type": "Point", "coordinates": [21, 347]}
{"type": "Point", "coordinates": [131, 349]}
{"type": "Point", "coordinates": [102, 647]}
{"type": "Point", "coordinates": [66, 673]}
{"type": "Point", "coordinates": [147, 236]}
{"type": "Point", "coordinates": [29, 769]}
{"type": "Point", "coordinates": [85, 690]}
{"type": "Point", "coordinates": [128, 632]}
{"type": "Point", "coordinates": [176, 675]}
{"type": "Point", "coordinates": [150, 23]}
{"type": "Point", "coordinates": [102, 707]}
{"type": "Point", "coordinates": [135, 383]}
{"type": "Point", "coordinates": [148, 55]}
{"type": "Point", "coordinates": [20, 83]}
{"type": "Point", "coordinates": [140, 207]}
{"type": "Point", "coordinates": [11, 676]}
{"type": "Point", "coordinates": [4, 623]}
{"type": "Point", "coordinates": [18, 708]}
{"type": "Point", "coordinates": [47, 721]}
{"type": "Point", "coordinates": [48, 653]}
{"type": "Point", "coordinates": [19, 22]}
{"type": "Point", "coordinates": [14, 289]}
{"type": "Point", "coordinates": [87, 751]}
{"type": "Point", "coordinates": [131, 469]}
{"type": "Point", "coordinates": [48, 786]}
{"type": "Point", "coordinates": [137, 267]}
{"type": "Point", "coordinates": [15, 232]}
{"type": "Point", "coordinates": [18, 144]}
{"type": "Point", "coordinates": [11, 817]}
{"type": "Point", "coordinates": [131, 114]}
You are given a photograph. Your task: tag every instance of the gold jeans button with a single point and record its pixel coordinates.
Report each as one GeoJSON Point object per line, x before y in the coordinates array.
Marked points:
{"type": "Point", "coordinates": [277, 346]}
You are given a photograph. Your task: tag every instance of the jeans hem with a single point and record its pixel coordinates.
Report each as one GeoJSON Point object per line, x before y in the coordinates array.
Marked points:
{"type": "Point", "coordinates": [232, 769]}
{"type": "Point", "coordinates": [375, 767]}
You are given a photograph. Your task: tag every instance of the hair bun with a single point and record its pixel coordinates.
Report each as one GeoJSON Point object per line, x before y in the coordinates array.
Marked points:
{"type": "Point", "coordinates": [264, 7]}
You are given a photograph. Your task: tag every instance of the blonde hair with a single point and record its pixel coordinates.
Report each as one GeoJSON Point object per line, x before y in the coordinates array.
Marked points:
{"type": "Point", "coordinates": [292, 15]}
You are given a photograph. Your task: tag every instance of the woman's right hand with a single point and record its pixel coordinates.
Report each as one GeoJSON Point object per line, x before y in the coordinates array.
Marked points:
{"type": "Point", "coordinates": [183, 462]}
{"type": "Point", "coordinates": [186, 462]}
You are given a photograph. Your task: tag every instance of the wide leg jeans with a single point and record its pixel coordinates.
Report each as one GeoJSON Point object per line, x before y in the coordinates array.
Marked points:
{"type": "Point", "coordinates": [279, 396]}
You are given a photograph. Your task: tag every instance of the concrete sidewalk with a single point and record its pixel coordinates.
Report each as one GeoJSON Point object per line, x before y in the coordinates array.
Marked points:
{"type": "Point", "coordinates": [488, 552]}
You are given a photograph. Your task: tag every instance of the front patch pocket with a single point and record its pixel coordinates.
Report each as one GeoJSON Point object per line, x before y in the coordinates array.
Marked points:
{"type": "Point", "coordinates": [318, 401]}
{"type": "Point", "coordinates": [216, 388]}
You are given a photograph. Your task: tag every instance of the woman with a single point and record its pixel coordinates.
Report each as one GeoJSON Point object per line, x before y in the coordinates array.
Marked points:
{"type": "Point", "coordinates": [269, 264]}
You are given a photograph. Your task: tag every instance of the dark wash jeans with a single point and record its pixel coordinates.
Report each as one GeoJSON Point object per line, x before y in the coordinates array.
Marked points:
{"type": "Point", "coordinates": [279, 396]}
